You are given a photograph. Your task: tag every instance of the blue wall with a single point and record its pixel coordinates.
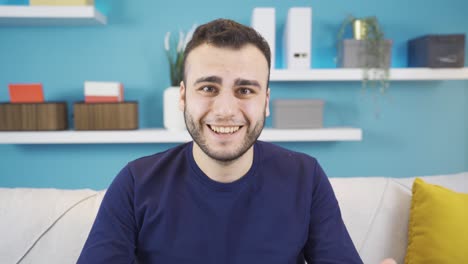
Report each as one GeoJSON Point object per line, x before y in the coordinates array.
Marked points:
{"type": "Point", "coordinates": [422, 128]}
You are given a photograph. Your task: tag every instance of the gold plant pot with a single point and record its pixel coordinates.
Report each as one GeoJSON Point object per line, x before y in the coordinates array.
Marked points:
{"type": "Point", "coordinates": [360, 29]}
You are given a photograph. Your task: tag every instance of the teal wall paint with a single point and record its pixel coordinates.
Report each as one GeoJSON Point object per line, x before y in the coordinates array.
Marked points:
{"type": "Point", "coordinates": [422, 128]}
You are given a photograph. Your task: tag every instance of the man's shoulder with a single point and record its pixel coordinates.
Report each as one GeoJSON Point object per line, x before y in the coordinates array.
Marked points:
{"type": "Point", "coordinates": [289, 168]}
{"type": "Point", "coordinates": [170, 157]}
{"type": "Point", "coordinates": [286, 163]}
{"type": "Point", "coordinates": [272, 151]}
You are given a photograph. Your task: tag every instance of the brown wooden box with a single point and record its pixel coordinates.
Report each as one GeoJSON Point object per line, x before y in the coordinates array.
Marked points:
{"type": "Point", "coordinates": [33, 116]}
{"type": "Point", "coordinates": [106, 116]}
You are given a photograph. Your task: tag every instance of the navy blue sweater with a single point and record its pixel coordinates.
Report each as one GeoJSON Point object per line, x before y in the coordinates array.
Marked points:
{"type": "Point", "coordinates": [164, 209]}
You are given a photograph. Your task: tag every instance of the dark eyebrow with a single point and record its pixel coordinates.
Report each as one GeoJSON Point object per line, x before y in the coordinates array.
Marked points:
{"type": "Point", "coordinates": [211, 79]}
{"type": "Point", "coordinates": [243, 82]}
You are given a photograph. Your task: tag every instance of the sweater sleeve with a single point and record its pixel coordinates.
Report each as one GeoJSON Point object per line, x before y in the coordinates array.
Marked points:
{"type": "Point", "coordinates": [328, 240]}
{"type": "Point", "coordinates": [113, 236]}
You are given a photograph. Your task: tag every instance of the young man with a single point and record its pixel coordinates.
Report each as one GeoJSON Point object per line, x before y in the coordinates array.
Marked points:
{"type": "Point", "coordinates": [225, 197]}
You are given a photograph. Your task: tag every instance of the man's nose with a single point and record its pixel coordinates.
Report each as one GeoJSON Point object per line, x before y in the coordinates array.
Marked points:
{"type": "Point", "coordinates": [225, 104]}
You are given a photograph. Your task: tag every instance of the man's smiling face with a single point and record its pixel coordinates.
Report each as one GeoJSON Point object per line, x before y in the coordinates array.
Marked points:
{"type": "Point", "coordinates": [225, 99]}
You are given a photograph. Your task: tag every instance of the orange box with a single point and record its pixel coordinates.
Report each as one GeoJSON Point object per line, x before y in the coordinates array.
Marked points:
{"type": "Point", "coordinates": [26, 93]}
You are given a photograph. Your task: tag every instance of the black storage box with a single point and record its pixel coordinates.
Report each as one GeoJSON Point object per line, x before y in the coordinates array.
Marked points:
{"type": "Point", "coordinates": [437, 51]}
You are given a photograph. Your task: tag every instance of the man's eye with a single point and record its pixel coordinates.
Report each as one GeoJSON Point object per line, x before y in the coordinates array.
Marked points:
{"type": "Point", "coordinates": [245, 91]}
{"type": "Point", "coordinates": [208, 89]}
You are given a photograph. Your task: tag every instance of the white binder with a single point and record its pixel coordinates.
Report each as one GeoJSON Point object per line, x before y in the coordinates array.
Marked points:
{"type": "Point", "coordinates": [263, 21]}
{"type": "Point", "coordinates": [298, 39]}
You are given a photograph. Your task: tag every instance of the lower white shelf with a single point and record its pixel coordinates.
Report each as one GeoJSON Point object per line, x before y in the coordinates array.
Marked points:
{"type": "Point", "coordinates": [166, 136]}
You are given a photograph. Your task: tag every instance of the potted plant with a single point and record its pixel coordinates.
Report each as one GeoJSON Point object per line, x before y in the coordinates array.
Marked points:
{"type": "Point", "coordinates": [175, 49]}
{"type": "Point", "coordinates": [368, 49]}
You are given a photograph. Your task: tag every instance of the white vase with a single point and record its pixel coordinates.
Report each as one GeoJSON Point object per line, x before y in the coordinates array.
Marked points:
{"type": "Point", "coordinates": [173, 116]}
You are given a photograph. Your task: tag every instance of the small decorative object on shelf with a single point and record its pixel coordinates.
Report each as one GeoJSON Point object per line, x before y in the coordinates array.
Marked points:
{"type": "Point", "coordinates": [264, 22]}
{"type": "Point", "coordinates": [298, 38]}
{"type": "Point", "coordinates": [437, 51]}
{"type": "Point", "coordinates": [33, 116]}
{"type": "Point", "coordinates": [26, 93]}
{"type": "Point", "coordinates": [175, 49]}
{"type": "Point", "coordinates": [368, 50]}
{"type": "Point", "coordinates": [173, 117]}
{"type": "Point", "coordinates": [307, 113]}
{"type": "Point", "coordinates": [103, 92]}
{"type": "Point", "coordinates": [106, 116]}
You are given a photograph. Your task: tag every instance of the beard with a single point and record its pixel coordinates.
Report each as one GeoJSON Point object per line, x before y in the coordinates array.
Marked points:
{"type": "Point", "coordinates": [195, 130]}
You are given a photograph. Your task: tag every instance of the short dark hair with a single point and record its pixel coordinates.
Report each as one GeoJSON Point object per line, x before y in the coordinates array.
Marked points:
{"type": "Point", "coordinates": [227, 33]}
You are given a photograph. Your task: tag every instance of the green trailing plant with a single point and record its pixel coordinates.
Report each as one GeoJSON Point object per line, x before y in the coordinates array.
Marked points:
{"type": "Point", "coordinates": [175, 50]}
{"type": "Point", "coordinates": [376, 67]}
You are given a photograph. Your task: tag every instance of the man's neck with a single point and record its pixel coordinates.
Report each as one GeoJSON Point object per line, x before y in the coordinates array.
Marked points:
{"type": "Point", "coordinates": [220, 171]}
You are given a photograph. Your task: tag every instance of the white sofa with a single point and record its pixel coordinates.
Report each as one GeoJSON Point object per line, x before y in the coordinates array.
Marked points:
{"type": "Point", "coordinates": [50, 226]}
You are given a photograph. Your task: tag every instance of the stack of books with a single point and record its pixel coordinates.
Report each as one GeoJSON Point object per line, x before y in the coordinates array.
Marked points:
{"type": "Point", "coordinates": [103, 92]}
{"type": "Point", "coordinates": [61, 2]}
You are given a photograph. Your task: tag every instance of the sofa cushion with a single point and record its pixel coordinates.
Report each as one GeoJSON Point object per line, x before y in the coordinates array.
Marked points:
{"type": "Point", "coordinates": [438, 231]}
{"type": "Point", "coordinates": [45, 225]}
{"type": "Point", "coordinates": [376, 211]}
{"type": "Point", "coordinates": [359, 200]}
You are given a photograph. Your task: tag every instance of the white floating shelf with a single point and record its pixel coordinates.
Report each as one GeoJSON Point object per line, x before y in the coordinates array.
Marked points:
{"type": "Point", "coordinates": [165, 136]}
{"type": "Point", "coordinates": [396, 74]}
{"type": "Point", "coordinates": [50, 15]}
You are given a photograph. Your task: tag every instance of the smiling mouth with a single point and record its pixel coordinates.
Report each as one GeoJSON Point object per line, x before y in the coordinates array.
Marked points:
{"type": "Point", "coordinates": [224, 129]}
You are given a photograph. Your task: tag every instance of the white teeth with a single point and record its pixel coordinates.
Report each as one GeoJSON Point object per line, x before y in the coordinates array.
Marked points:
{"type": "Point", "coordinates": [224, 130]}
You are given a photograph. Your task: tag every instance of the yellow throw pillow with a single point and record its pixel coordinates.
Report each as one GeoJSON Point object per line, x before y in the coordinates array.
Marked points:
{"type": "Point", "coordinates": [438, 226]}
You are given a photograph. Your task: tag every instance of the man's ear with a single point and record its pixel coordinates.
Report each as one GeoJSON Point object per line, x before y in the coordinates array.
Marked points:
{"type": "Point", "coordinates": [267, 104]}
{"type": "Point", "coordinates": [182, 96]}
